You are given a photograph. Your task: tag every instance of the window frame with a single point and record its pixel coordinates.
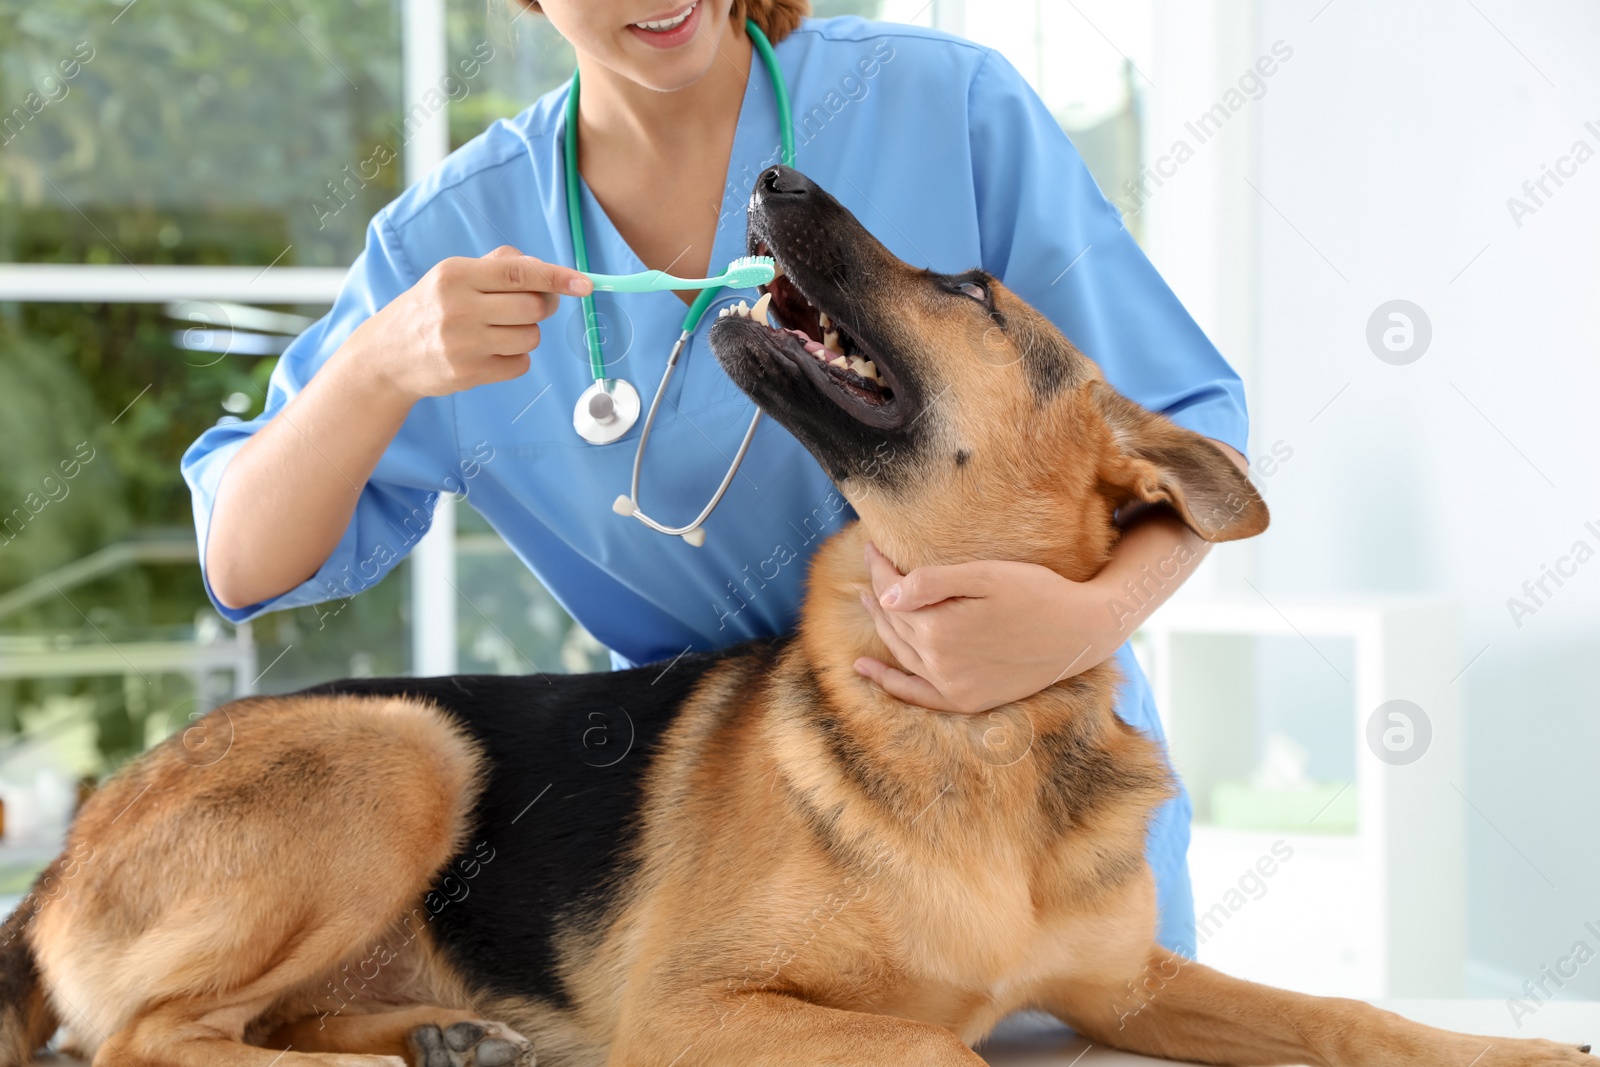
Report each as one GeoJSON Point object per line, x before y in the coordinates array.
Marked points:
{"type": "Point", "coordinates": [425, 62]}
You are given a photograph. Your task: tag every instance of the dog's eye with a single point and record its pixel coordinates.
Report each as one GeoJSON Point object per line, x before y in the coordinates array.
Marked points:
{"type": "Point", "coordinates": [974, 290]}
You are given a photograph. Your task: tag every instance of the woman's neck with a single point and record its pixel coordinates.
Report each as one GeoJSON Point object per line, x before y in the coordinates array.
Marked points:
{"type": "Point", "coordinates": [617, 114]}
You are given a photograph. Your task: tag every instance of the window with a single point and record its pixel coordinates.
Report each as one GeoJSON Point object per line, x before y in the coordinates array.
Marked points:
{"type": "Point", "coordinates": [181, 188]}
{"type": "Point", "coordinates": [1087, 62]}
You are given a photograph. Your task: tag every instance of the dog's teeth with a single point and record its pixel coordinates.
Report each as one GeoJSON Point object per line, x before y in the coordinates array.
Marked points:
{"type": "Point", "coordinates": [743, 309]}
{"type": "Point", "coordinates": [863, 367]}
{"type": "Point", "coordinates": [823, 320]}
{"type": "Point", "coordinates": [840, 362]}
{"type": "Point", "coordinates": [777, 269]}
{"type": "Point", "coordinates": [830, 341]}
{"type": "Point", "coordinates": [759, 312]}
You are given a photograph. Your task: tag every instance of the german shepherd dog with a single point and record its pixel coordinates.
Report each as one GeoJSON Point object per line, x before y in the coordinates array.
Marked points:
{"type": "Point", "coordinates": [773, 861]}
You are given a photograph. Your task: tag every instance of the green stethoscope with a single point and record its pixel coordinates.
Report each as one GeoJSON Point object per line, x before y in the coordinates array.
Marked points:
{"type": "Point", "coordinates": [610, 406]}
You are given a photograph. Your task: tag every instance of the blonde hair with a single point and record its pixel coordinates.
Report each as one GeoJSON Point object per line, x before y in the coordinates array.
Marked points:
{"type": "Point", "coordinates": [777, 18]}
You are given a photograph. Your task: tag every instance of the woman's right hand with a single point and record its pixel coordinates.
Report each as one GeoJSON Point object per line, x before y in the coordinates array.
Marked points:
{"type": "Point", "coordinates": [466, 322]}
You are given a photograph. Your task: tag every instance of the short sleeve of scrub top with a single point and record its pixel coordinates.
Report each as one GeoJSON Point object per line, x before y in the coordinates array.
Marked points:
{"type": "Point", "coordinates": [942, 150]}
{"type": "Point", "coordinates": [403, 489]}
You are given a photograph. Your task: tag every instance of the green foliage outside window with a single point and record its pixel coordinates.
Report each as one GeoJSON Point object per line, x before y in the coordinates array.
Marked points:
{"type": "Point", "coordinates": [259, 133]}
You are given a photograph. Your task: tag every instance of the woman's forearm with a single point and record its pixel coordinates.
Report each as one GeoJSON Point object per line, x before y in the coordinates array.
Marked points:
{"type": "Point", "coordinates": [287, 497]}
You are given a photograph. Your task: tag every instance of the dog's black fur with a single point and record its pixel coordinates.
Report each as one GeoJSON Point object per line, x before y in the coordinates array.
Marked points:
{"type": "Point", "coordinates": [557, 819]}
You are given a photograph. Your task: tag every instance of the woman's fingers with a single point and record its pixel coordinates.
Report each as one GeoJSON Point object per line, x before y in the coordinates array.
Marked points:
{"type": "Point", "coordinates": [903, 686]}
{"type": "Point", "coordinates": [890, 633]}
{"type": "Point", "coordinates": [505, 368]}
{"type": "Point", "coordinates": [468, 321]}
{"type": "Point", "coordinates": [511, 340]}
{"type": "Point", "coordinates": [505, 270]}
{"type": "Point", "coordinates": [514, 309]}
{"type": "Point", "coordinates": [923, 586]}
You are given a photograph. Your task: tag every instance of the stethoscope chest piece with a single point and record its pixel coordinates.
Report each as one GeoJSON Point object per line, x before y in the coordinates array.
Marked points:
{"type": "Point", "coordinates": [606, 410]}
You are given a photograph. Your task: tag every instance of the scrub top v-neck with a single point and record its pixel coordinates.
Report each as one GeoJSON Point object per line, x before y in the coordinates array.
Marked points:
{"type": "Point", "coordinates": [701, 419]}
{"type": "Point", "coordinates": [757, 122]}
{"type": "Point", "coordinates": [942, 150]}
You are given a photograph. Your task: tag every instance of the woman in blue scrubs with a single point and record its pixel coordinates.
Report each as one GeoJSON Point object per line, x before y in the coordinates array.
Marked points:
{"type": "Point", "coordinates": [454, 353]}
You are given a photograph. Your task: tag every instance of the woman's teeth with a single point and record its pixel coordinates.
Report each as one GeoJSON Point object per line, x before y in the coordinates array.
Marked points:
{"type": "Point", "coordinates": [663, 25]}
{"type": "Point", "coordinates": [829, 351]}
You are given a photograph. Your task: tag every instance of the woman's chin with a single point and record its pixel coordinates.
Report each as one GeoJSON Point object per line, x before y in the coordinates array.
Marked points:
{"type": "Point", "coordinates": [669, 73]}
{"type": "Point", "coordinates": [671, 69]}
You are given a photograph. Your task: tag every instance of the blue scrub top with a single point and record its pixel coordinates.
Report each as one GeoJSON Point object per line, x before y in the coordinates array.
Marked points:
{"type": "Point", "coordinates": [942, 150]}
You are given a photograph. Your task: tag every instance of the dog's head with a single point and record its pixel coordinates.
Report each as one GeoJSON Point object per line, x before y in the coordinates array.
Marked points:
{"type": "Point", "coordinates": [957, 420]}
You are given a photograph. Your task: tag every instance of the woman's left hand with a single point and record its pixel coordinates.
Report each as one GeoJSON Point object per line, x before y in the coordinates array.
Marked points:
{"type": "Point", "coordinates": [978, 635]}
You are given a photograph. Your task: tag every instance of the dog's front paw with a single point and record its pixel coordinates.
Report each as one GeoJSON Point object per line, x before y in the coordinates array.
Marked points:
{"type": "Point", "coordinates": [469, 1044]}
{"type": "Point", "coordinates": [1541, 1053]}
{"type": "Point", "coordinates": [1517, 1052]}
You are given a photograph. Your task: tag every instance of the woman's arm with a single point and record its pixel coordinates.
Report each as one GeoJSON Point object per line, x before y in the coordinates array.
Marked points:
{"type": "Point", "coordinates": [288, 495]}
{"type": "Point", "coordinates": [978, 635]}
{"type": "Point", "coordinates": [290, 492]}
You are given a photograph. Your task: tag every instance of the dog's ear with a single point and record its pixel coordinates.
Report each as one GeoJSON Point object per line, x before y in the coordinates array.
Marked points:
{"type": "Point", "coordinates": [1157, 461]}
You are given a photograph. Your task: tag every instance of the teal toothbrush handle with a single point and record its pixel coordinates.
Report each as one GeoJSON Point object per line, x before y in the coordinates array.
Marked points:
{"type": "Point", "coordinates": [746, 272]}
{"type": "Point", "coordinates": [648, 281]}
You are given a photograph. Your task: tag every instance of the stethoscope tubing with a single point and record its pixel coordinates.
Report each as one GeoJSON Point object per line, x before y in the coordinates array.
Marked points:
{"type": "Point", "coordinates": [629, 505]}
{"type": "Point", "coordinates": [693, 527]}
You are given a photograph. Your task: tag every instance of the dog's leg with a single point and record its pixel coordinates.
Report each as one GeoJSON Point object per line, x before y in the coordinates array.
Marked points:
{"type": "Point", "coordinates": [1183, 1010]}
{"type": "Point", "coordinates": [295, 868]}
{"type": "Point", "coordinates": [774, 1030]}
{"type": "Point", "coordinates": [196, 1034]}
{"type": "Point", "coordinates": [451, 1038]}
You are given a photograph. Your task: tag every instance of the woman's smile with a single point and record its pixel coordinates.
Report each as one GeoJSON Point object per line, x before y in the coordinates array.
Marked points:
{"type": "Point", "coordinates": [669, 30]}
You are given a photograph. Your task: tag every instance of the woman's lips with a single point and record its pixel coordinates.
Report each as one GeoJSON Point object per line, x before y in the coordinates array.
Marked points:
{"type": "Point", "coordinates": [676, 35]}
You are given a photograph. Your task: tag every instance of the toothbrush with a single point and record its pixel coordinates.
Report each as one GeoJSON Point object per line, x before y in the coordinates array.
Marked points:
{"type": "Point", "coordinates": [746, 272]}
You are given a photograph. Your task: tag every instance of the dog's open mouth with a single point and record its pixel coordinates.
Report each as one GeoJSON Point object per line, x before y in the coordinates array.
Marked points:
{"type": "Point", "coordinates": [823, 345]}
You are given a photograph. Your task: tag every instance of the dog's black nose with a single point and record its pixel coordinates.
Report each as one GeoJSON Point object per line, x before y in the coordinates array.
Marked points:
{"type": "Point", "coordinates": [783, 181]}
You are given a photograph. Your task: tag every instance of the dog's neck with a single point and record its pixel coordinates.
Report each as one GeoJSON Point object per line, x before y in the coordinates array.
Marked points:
{"type": "Point", "coordinates": [835, 625]}
{"type": "Point", "coordinates": [979, 760]}
{"type": "Point", "coordinates": [837, 629]}
{"type": "Point", "coordinates": [1064, 527]}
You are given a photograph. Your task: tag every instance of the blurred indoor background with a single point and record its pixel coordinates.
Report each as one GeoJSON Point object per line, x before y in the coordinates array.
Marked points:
{"type": "Point", "coordinates": [1385, 215]}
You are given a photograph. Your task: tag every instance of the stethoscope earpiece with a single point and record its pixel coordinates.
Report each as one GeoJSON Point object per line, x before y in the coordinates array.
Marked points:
{"type": "Point", "coordinates": [623, 505]}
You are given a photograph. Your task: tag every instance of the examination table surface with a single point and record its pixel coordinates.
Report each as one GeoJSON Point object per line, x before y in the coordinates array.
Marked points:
{"type": "Point", "coordinates": [1039, 1042]}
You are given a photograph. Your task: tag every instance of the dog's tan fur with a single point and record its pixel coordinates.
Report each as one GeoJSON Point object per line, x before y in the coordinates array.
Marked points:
{"type": "Point", "coordinates": [827, 876]}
